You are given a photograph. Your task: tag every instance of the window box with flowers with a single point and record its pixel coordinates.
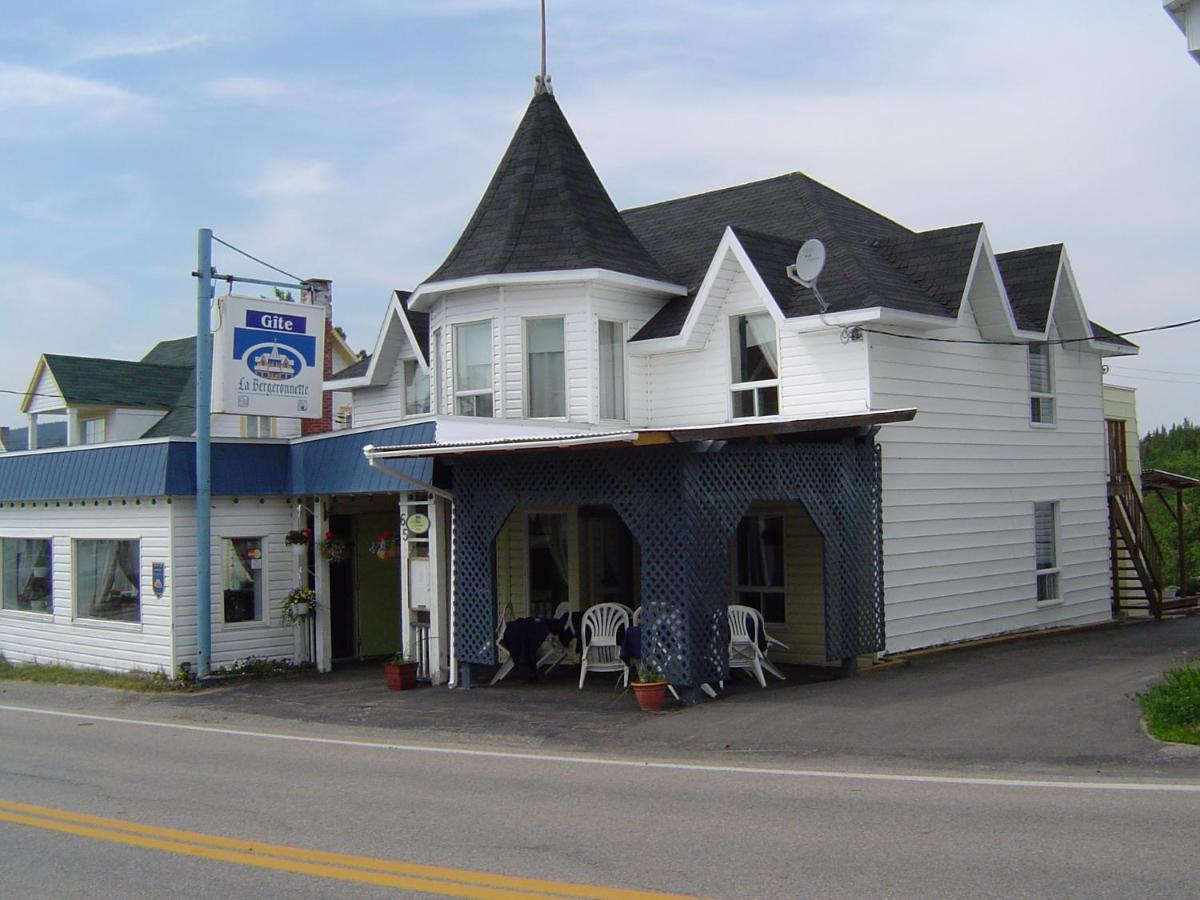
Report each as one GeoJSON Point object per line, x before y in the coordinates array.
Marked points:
{"type": "Point", "coordinates": [386, 546]}
{"type": "Point", "coordinates": [334, 548]}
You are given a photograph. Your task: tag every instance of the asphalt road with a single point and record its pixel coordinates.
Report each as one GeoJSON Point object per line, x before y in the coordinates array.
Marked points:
{"type": "Point", "coordinates": [713, 831]}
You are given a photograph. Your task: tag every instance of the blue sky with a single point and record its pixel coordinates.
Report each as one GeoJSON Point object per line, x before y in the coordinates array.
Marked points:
{"type": "Point", "coordinates": [352, 141]}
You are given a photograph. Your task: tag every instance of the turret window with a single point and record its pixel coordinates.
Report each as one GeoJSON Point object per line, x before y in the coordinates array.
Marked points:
{"type": "Point", "coordinates": [545, 369]}
{"type": "Point", "coordinates": [473, 369]}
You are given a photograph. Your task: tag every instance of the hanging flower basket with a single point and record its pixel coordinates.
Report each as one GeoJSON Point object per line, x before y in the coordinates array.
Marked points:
{"type": "Point", "coordinates": [334, 548]}
{"type": "Point", "coordinates": [386, 546]}
{"type": "Point", "coordinates": [303, 536]}
{"type": "Point", "coordinates": [298, 606]}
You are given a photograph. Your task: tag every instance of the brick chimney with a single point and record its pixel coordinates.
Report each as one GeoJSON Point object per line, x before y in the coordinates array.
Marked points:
{"type": "Point", "coordinates": [320, 293]}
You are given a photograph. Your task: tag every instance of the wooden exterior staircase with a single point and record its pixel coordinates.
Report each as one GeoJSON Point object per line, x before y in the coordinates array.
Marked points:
{"type": "Point", "coordinates": [1137, 566]}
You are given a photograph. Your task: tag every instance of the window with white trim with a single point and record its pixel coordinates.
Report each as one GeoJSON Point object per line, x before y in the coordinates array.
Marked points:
{"type": "Point", "coordinates": [1045, 542]}
{"type": "Point", "coordinates": [760, 581]}
{"type": "Point", "coordinates": [473, 369]}
{"type": "Point", "coordinates": [25, 574]}
{"type": "Point", "coordinates": [1041, 385]}
{"type": "Point", "coordinates": [242, 579]}
{"type": "Point", "coordinates": [416, 389]}
{"type": "Point", "coordinates": [754, 359]}
{"type": "Point", "coordinates": [612, 370]}
{"type": "Point", "coordinates": [545, 369]}
{"type": "Point", "coordinates": [435, 366]}
{"type": "Point", "coordinates": [108, 580]}
{"type": "Point", "coordinates": [93, 430]}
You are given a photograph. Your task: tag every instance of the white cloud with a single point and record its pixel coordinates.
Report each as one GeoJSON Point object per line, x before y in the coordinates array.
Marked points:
{"type": "Point", "coordinates": [103, 47]}
{"type": "Point", "coordinates": [34, 101]}
{"type": "Point", "coordinates": [246, 88]}
{"type": "Point", "coordinates": [288, 180]}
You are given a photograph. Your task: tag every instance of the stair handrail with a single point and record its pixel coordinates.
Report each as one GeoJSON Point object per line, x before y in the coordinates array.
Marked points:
{"type": "Point", "coordinates": [1135, 513]}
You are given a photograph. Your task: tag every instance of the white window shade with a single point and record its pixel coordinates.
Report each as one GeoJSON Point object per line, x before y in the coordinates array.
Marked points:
{"type": "Point", "coordinates": [546, 372]}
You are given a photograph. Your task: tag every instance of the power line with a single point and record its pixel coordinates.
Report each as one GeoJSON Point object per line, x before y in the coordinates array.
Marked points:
{"type": "Point", "coordinates": [1059, 341]}
{"type": "Point", "coordinates": [256, 259]}
{"type": "Point", "coordinates": [1156, 371]}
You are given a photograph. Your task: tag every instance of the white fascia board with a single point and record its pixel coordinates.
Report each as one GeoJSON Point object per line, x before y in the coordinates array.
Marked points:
{"type": "Point", "coordinates": [346, 384]}
{"type": "Point", "coordinates": [880, 315]}
{"type": "Point", "coordinates": [986, 255]}
{"type": "Point", "coordinates": [686, 337]}
{"type": "Point", "coordinates": [422, 298]}
{"type": "Point", "coordinates": [1065, 280]}
{"type": "Point", "coordinates": [394, 312]}
{"type": "Point", "coordinates": [1104, 348]}
{"type": "Point", "coordinates": [456, 429]}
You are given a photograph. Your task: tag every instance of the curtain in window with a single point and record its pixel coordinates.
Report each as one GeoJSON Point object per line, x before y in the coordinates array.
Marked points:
{"type": "Point", "coordinates": [546, 368]}
{"type": "Point", "coordinates": [612, 371]}
{"type": "Point", "coordinates": [760, 335]}
{"type": "Point", "coordinates": [1043, 530]}
{"type": "Point", "coordinates": [416, 389]}
{"type": "Point", "coordinates": [25, 569]}
{"type": "Point", "coordinates": [107, 580]}
{"type": "Point", "coordinates": [473, 357]}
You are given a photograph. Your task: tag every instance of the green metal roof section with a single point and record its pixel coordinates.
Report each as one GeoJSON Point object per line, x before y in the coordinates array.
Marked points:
{"type": "Point", "coordinates": [116, 382]}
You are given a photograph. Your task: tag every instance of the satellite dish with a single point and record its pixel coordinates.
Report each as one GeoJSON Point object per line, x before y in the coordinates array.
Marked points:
{"type": "Point", "coordinates": [809, 261]}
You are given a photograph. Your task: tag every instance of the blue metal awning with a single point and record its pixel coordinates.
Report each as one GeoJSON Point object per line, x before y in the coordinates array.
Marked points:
{"type": "Point", "coordinates": [326, 464]}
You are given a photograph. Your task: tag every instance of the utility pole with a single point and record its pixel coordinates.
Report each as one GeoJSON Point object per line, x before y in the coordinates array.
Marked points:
{"type": "Point", "coordinates": [204, 296]}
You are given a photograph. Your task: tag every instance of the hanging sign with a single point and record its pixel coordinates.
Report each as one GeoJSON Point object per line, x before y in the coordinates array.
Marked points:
{"type": "Point", "coordinates": [268, 358]}
{"type": "Point", "coordinates": [158, 578]}
{"type": "Point", "coordinates": [417, 523]}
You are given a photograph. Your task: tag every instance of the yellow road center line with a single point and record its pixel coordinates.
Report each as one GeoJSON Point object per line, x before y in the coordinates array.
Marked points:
{"type": "Point", "coordinates": [360, 869]}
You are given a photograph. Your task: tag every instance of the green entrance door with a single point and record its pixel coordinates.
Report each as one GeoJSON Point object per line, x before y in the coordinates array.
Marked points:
{"type": "Point", "coordinates": [378, 587]}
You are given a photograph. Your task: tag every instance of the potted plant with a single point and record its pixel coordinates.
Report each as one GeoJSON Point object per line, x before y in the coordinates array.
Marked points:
{"type": "Point", "coordinates": [334, 548]}
{"type": "Point", "coordinates": [386, 546]}
{"type": "Point", "coordinates": [400, 672]}
{"type": "Point", "coordinates": [650, 687]}
{"type": "Point", "coordinates": [298, 605]}
{"type": "Point", "coordinates": [302, 536]}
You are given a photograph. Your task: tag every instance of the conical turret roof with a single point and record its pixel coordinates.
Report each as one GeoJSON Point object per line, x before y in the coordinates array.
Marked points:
{"type": "Point", "coordinates": [546, 210]}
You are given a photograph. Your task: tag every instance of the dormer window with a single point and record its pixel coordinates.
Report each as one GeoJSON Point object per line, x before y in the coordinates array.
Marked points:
{"type": "Point", "coordinates": [545, 369]}
{"type": "Point", "coordinates": [93, 430]}
{"type": "Point", "coordinates": [1041, 385]}
{"type": "Point", "coordinates": [755, 361]}
{"type": "Point", "coordinates": [416, 389]}
{"type": "Point", "coordinates": [473, 369]}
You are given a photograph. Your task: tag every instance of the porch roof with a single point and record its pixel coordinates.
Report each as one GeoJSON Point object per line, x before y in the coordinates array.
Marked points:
{"type": "Point", "coordinates": [648, 437]}
{"type": "Point", "coordinates": [1157, 479]}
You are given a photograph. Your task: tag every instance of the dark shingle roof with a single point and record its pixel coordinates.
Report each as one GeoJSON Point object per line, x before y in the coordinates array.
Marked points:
{"type": "Point", "coordinates": [872, 261]}
{"type": "Point", "coordinates": [181, 420]}
{"type": "Point", "coordinates": [545, 210]}
{"type": "Point", "coordinates": [116, 382]}
{"type": "Point", "coordinates": [1029, 277]}
{"type": "Point", "coordinates": [354, 370]}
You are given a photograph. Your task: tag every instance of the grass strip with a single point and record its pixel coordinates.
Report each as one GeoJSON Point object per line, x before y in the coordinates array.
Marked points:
{"type": "Point", "coordinates": [1172, 707]}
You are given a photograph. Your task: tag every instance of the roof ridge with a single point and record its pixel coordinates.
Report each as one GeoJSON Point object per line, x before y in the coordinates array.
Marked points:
{"type": "Point", "coordinates": [1059, 246]}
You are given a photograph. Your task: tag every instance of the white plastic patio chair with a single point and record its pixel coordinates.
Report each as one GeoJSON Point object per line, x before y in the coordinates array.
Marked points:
{"type": "Point", "coordinates": [558, 648]}
{"type": "Point", "coordinates": [744, 653]}
{"type": "Point", "coordinates": [506, 616]}
{"type": "Point", "coordinates": [637, 616]}
{"type": "Point", "coordinates": [601, 652]}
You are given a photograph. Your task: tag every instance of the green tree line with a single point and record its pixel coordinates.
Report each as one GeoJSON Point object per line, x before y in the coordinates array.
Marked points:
{"type": "Point", "coordinates": [1175, 449]}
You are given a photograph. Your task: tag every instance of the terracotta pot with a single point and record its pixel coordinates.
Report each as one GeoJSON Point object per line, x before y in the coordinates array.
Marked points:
{"type": "Point", "coordinates": [650, 694]}
{"type": "Point", "coordinates": [400, 675]}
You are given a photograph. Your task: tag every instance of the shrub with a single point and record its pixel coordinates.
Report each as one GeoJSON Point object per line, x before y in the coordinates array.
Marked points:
{"type": "Point", "coordinates": [1172, 707]}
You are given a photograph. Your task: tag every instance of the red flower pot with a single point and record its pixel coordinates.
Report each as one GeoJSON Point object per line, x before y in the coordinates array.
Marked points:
{"type": "Point", "coordinates": [650, 694]}
{"type": "Point", "coordinates": [400, 675]}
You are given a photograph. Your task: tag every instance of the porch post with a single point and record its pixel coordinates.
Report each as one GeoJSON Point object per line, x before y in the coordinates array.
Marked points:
{"type": "Point", "coordinates": [323, 652]}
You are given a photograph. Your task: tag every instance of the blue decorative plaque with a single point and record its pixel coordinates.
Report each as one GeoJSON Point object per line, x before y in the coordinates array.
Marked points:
{"type": "Point", "coordinates": [159, 582]}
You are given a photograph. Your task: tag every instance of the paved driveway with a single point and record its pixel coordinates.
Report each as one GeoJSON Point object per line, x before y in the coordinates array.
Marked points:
{"type": "Point", "coordinates": [1056, 704]}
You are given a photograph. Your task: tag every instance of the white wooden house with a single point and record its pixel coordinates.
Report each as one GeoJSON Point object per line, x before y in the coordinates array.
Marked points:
{"type": "Point", "coordinates": [643, 406]}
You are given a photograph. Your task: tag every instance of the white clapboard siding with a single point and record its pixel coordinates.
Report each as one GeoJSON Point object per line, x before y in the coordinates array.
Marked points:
{"type": "Point", "coordinates": [959, 483]}
{"type": "Point", "coordinates": [384, 405]}
{"type": "Point", "coordinates": [633, 309]}
{"type": "Point", "coordinates": [59, 638]}
{"type": "Point", "coordinates": [484, 305]}
{"type": "Point", "coordinates": [129, 424]}
{"type": "Point", "coordinates": [248, 517]}
{"type": "Point", "coordinates": [1121, 403]}
{"type": "Point", "coordinates": [45, 394]}
{"type": "Point", "coordinates": [819, 374]}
